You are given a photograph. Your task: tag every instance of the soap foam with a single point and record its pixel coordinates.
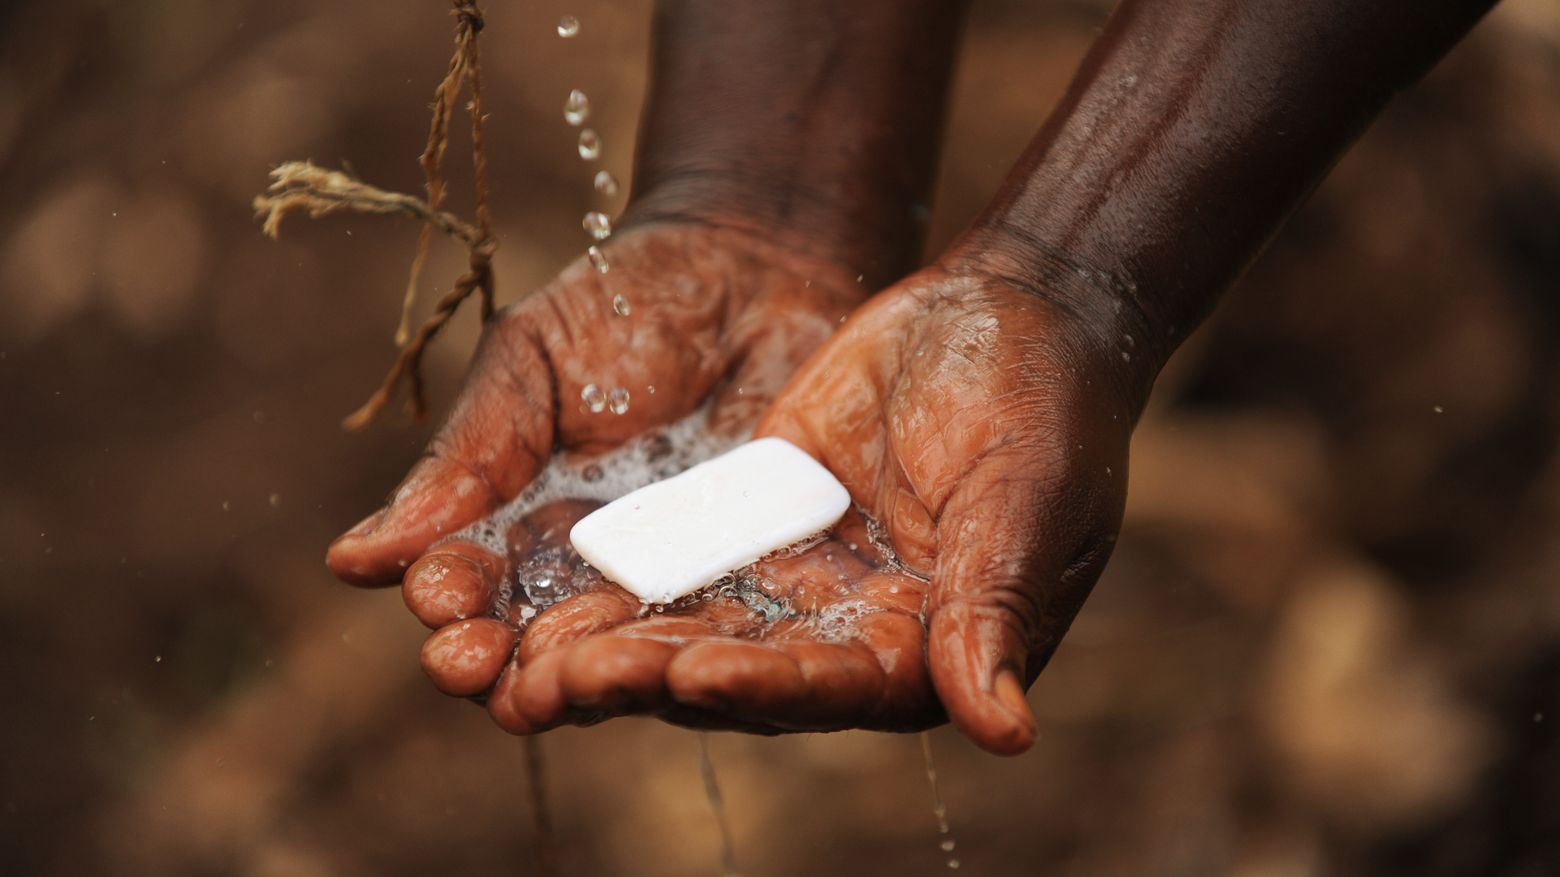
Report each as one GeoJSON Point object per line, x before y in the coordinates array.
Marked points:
{"type": "Point", "coordinates": [554, 573]}
{"type": "Point", "coordinates": [550, 574]}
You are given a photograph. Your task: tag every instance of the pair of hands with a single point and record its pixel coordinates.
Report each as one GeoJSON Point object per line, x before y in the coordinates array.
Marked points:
{"type": "Point", "coordinates": [983, 425]}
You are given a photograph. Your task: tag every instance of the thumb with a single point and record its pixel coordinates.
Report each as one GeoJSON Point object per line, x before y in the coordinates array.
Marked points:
{"type": "Point", "coordinates": [1000, 598]}
{"type": "Point", "coordinates": [498, 436]}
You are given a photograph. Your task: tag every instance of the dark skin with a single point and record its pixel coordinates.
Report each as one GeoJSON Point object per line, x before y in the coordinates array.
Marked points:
{"type": "Point", "coordinates": [981, 408]}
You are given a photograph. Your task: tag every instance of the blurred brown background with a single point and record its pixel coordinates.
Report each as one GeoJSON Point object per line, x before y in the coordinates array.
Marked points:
{"type": "Point", "coordinates": [1329, 642]}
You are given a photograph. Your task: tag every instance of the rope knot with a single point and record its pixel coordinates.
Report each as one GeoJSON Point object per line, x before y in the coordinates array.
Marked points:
{"type": "Point", "coordinates": [470, 16]}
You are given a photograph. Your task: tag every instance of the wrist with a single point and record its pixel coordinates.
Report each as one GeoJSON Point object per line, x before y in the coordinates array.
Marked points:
{"type": "Point", "coordinates": [1097, 304]}
{"type": "Point", "coordinates": [833, 225]}
{"type": "Point", "coordinates": [732, 251]}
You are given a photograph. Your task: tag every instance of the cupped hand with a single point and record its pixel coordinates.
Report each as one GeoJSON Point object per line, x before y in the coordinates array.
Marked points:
{"type": "Point", "coordinates": [986, 426]}
{"type": "Point", "coordinates": [686, 316]}
{"type": "Point", "coordinates": [981, 428]}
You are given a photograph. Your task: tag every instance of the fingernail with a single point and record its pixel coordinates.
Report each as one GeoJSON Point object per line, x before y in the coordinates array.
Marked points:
{"type": "Point", "coordinates": [1011, 695]}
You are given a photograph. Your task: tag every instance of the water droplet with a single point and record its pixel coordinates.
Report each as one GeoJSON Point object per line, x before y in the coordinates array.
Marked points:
{"type": "Point", "coordinates": [598, 259]}
{"type": "Point", "coordinates": [605, 183]}
{"type": "Point", "coordinates": [590, 144]}
{"type": "Point", "coordinates": [1439, 410]}
{"type": "Point", "coordinates": [650, 389]}
{"type": "Point", "coordinates": [618, 400]}
{"type": "Point", "coordinates": [620, 305]}
{"type": "Point", "coordinates": [593, 398]}
{"type": "Point", "coordinates": [568, 27]}
{"type": "Point", "coordinates": [597, 225]}
{"type": "Point", "coordinates": [939, 809]}
{"type": "Point", "coordinates": [576, 107]}
{"type": "Point", "coordinates": [157, 660]}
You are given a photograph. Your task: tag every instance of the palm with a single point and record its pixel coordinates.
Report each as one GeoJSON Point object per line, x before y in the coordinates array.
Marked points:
{"type": "Point", "coordinates": [940, 408]}
{"type": "Point", "coordinates": [987, 434]}
{"type": "Point", "coordinates": [713, 317]}
{"type": "Point", "coordinates": [715, 320]}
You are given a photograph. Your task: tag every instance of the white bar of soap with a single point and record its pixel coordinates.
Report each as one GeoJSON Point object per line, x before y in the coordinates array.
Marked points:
{"type": "Point", "coordinates": [671, 538]}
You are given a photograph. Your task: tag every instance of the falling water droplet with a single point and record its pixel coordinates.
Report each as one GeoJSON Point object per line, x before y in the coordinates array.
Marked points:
{"type": "Point", "coordinates": [597, 225]}
{"type": "Point", "coordinates": [606, 184]}
{"type": "Point", "coordinates": [568, 27]}
{"type": "Point", "coordinates": [590, 144]}
{"type": "Point", "coordinates": [939, 809]}
{"type": "Point", "coordinates": [618, 400]}
{"type": "Point", "coordinates": [598, 259]}
{"type": "Point", "coordinates": [576, 108]}
{"type": "Point", "coordinates": [620, 305]}
{"type": "Point", "coordinates": [593, 398]}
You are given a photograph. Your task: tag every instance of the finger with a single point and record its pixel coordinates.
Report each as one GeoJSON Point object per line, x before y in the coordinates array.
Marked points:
{"type": "Point", "coordinates": [1002, 596]}
{"type": "Point", "coordinates": [494, 442]}
{"type": "Point", "coordinates": [536, 697]}
{"type": "Point", "coordinates": [465, 658]}
{"type": "Point", "coordinates": [844, 685]}
{"type": "Point", "coordinates": [617, 675]}
{"type": "Point", "coordinates": [501, 701]}
{"type": "Point", "coordinates": [897, 641]}
{"type": "Point", "coordinates": [679, 630]}
{"type": "Point", "coordinates": [736, 678]}
{"type": "Point", "coordinates": [576, 618]}
{"type": "Point", "coordinates": [454, 581]}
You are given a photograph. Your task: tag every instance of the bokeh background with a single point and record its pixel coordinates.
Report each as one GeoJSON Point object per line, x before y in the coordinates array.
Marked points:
{"type": "Point", "coordinates": [1329, 642]}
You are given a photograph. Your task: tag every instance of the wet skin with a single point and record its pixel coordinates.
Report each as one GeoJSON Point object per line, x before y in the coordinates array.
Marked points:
{"type": "Point", "coordinates": [983, 426]}
{"type": "Point", "coordinates": [980, 409]}
{"type": "Point", "coordinates": [717, 317]}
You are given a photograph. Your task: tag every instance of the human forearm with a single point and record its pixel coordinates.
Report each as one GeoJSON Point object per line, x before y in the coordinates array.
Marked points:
{"type": "Point", "coordinates": [1193, 129]}
{"type": "Point", "coordinates": [811, 122]}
